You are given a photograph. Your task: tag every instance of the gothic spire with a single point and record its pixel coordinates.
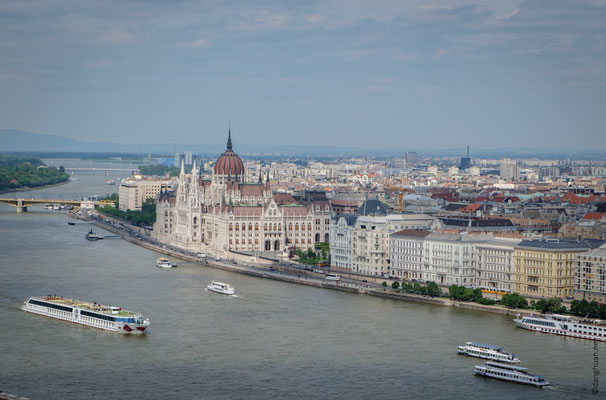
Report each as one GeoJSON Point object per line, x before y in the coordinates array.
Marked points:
{"type": "Point", "coordinates": [260, 177]}
{"type": "Point", "coordinates": [229, 138]}
{"type": "Point", "coordinates": [267, 180]}
{"type": "Point", "coordinates": [182, 172]}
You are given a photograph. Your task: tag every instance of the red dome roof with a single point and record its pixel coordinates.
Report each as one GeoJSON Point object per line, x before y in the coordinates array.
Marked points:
{"type": "Point", "coordinates": [229, 163]}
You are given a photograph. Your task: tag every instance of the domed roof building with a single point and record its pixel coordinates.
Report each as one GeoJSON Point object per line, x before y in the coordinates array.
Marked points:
{"type": "Point", "coordinates": [228, 166]}
{"type": "Point", "coordinates": [232, 213]}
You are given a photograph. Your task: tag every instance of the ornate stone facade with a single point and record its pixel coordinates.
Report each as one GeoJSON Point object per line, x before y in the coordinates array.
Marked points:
{"type": "Point", "coordinates": [226, 213]}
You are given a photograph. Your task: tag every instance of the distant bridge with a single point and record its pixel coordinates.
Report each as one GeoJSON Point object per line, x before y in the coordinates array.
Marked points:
{"type": "Point", "coordinates": [22, 204]}
{"type": "Point", "coordinates": [101, 169]}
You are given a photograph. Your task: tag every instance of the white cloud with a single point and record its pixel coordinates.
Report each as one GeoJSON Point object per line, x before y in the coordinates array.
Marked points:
{"type": "Point", "coordinates": [117, 37]}
{"type": "Point", "coordinates": [201, 43]}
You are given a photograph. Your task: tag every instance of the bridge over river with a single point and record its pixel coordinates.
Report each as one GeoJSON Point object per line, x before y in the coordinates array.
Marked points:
{"type": "Point", "coordinates": [22, 204]}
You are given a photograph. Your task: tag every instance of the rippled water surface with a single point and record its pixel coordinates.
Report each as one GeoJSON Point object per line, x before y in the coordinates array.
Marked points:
{"type": "Point", "coordinates": [273, 340]}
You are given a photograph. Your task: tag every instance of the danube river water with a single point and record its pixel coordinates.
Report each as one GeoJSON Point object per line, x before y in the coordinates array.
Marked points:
{"type": "Point", "coordinates": [274, 340]}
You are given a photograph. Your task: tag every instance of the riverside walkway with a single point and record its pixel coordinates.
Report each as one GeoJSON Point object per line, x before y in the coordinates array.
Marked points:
{"type": "Point", "coordinates": [290, 274]}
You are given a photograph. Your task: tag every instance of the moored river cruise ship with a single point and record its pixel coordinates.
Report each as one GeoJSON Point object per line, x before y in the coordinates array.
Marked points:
{"type": "Point", "coordinates": [565, 326]}
{"type": "Point", "coordinates": [109, 318]}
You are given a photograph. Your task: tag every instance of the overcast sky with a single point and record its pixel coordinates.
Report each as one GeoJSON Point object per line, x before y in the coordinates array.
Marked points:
{"type": "Point", "coordinates": [401, 73]}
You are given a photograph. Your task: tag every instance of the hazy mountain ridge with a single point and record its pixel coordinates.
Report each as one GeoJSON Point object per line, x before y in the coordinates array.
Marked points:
{"type": "Point", "coordinates": [15, 140]}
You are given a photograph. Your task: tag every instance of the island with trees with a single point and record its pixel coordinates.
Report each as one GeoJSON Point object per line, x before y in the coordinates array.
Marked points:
{"type": "Point", "coordinates": [21, 172]}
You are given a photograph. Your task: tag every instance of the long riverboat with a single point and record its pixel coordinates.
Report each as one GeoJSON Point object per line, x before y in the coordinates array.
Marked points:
{"type": "Point", "coordinates": [109, 318]}
{"type": "Point", "coordinates": [509, 373]}
{"type": "Point", "coordinates": [487, 352]}
{"type": "Point", "coordinates": [564, 326]}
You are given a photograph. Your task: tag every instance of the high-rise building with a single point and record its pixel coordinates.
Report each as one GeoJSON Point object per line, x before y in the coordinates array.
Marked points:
{"type": "Point", "coordinates": [412, 158]}
{"type": "Point", "coordinates": [466, 161]}
{"type": "Point", "coordinates": [510, 169]}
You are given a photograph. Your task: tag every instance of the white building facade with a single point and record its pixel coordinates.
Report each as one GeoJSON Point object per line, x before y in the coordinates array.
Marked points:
{"type": "Point", "coordinates": [226, 213]}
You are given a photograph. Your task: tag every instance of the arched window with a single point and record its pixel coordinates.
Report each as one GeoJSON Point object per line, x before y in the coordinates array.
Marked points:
{"type": "Point", "coordinates": [317, 237]}
{"type": "Point", "coordinates": [277, 245]}
{"type": "Point", "coordinates": [250, 227]}
{"type": "Point", "coordinates": [195, 220]}
{"type": "Point", "coordinates": [237, 227]}
{"type": "Point", "coordinates": [326, 237]}
{"type": "Point", "coordinates": [243, 227]}
{"type": "Point", "coordinates": [296, 226]}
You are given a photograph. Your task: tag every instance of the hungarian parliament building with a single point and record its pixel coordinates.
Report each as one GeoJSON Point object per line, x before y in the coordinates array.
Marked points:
{"type": "Point", "coordinates": [226, 213]}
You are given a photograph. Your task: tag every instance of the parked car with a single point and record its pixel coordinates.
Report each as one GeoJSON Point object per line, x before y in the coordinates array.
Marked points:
{"type": "Point", "coordinates": [201, 255]}
{"type": "Point", "coordinates": [217, 258]}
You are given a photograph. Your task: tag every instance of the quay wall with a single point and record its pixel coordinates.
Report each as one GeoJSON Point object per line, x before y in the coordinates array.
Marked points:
{"type": "Point", "coordinates": [306, 279]}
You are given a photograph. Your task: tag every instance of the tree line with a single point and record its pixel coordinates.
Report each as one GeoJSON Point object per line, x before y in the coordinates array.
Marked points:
{"type": "Point", "coordinates": [19, 172]}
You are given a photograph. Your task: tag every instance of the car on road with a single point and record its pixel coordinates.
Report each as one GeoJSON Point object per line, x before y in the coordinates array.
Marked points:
{"type": "Point", "coordinates": [364, 280]}
{"type": "Point", "coordinates": [201, 255]}
{"type": "Point", "coordinates": [217, 258]}
{"type": "Point", "coordinates": [272, 269]}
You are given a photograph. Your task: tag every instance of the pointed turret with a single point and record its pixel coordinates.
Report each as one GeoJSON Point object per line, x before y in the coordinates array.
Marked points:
{"type": "Point", "coordinates": [229, 138]}
{"type": "Point", "coordinates": [260, 177]}
{"type": "Point", "coordinates": [267, 179]}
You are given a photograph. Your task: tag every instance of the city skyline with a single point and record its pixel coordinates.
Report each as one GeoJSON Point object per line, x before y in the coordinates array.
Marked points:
{"type": "Point", "coordinates": [409, 74]}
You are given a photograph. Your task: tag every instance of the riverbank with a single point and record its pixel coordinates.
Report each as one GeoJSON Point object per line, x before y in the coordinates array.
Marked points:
{"type": "Point", "coordinates": [302, 277]}
{"type": "Point", "coordinates": [27, 189]}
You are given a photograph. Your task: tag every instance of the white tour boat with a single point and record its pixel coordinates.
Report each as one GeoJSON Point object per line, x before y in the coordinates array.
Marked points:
{"type": "Point", "coordinates": [565, 326]}
{"type": "Point", "coordinates": [487, 352]}
{"type": "Point", "coordinates": [110, 318]}
{"type": "Point", "coordinates": [164, 262]}
{"type": "Point", "coordinates": [509, 373]}
{"type": "Point", "coordinates": [220, 287]}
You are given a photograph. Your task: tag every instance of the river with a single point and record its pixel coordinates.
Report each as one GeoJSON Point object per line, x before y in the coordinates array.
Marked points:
{"type": "Point", "coordinates": [273, 340]}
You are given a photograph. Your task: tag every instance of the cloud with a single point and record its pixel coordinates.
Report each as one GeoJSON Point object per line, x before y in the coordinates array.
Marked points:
{"type": "Point", "coordinates": [201, 43]}
{"type": "Point", "coordinates": [261, 20]}
{"type": "Point", "coordinates": [97, 64]}
{"type": "Point", "coordinates": [117, 37]}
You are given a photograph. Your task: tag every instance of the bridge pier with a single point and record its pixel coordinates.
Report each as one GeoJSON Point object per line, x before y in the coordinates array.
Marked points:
{"type": "Point", "coordinates": [20, 207]}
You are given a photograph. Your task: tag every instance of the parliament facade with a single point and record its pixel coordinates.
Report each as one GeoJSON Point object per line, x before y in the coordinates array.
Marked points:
{"type": "Point", "coordinates": [225, 213]}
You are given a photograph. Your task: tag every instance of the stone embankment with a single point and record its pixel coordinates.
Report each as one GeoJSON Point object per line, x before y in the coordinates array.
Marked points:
{"type": "Point", "coordinates": [286, 274]}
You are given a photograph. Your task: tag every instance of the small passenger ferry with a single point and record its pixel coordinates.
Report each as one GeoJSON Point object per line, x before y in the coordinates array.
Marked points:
{"type": "Point", "coordinates": [509, 373]}
{"type": "Point", "coordinates": [110, 318]}
{"type": "Point", "coordinates": [487, 352]}
{"type": "Point", "coordinates": [565, 326]}
{"type": "Point", "coordinates": [92, 236]}
{"type": "Point", "coordinates": [164, 262]}
{"type": "Point", "coordinates": [222, 288]}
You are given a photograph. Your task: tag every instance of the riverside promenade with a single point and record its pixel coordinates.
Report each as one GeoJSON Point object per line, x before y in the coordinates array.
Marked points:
{"type": "Point", "coordinates": [290, 274]}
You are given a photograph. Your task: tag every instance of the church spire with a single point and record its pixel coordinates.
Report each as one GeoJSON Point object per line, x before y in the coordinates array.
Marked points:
{"type": "Point", "coordinates": [229, 138]}
{"type": "Point", "coordinates": [267, 176]}
{"type": "Point", "coordinates": [182, 172]}
{"type": "Point", "coordinates": [260, 177]}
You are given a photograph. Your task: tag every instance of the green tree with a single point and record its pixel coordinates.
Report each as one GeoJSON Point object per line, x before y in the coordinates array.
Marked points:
{"type": "Point", "coordinates": [384, 284]}
{"type": "Point", "coordinates": [602, 311]}
{"type": "Point", "coordinates": [395, 285]}
{"type": "Point", "coordinates": [514, 300]}
{"type": "Point", "coordinates": [433, 289]}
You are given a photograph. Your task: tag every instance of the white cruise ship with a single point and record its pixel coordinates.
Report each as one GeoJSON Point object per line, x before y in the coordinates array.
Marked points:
{"type": "Point", "coordinates": [565, 326]}
{"type": "Point", "coordinates": [164, 262]}
{"type": "Point", "coordinates": [487, 352]}
{"type": "Point", "coordinates": [222, 288]}
{"type": "Point", "coordinates": [509, 373]}
{"type": "Point", "coordinates": [110, 318]}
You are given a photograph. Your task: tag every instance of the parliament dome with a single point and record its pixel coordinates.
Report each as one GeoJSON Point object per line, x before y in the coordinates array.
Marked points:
{"type": "Point", "coordinates": [229, 163]}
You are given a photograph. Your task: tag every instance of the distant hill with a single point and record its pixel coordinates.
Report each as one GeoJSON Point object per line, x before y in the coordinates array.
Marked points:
{"type": "Point", "coordinates": [17, 140]}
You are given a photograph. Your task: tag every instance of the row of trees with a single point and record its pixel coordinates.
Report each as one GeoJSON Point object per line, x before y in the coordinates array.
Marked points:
{"type": "Point", "coordinates": [310, 257]}
{"type": "Point", "coordinates": [585, 308]}
{"type": "Point", "coordinates": [145, 217]}
{"type": "Point", "coordinates": [18, 172]}
{"type": "Point", "coordinates": [161, 170]}
{"type": "Point", "coordinates": [431, 289]}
